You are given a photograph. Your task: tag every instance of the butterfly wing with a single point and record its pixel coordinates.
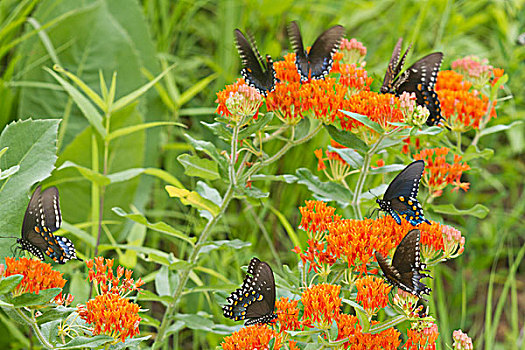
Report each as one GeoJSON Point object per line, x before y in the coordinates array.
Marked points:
{"type": "Point", "coordinates": [420, 79]}
{"type": "Point", "coordinates": [320, 57]}
{"type": "Point", "coordinates": [255, 300]}
{"type": "Point", "coordinates": [255, 72]}
{"type": "Point", "coordinates": [394, 67]}
{"type": "Point", "coordinates": [406, 183]}
{"type": "Point", "coordinates": [41, 219]}
{"type": "Point", "coordinates": [301, 60]}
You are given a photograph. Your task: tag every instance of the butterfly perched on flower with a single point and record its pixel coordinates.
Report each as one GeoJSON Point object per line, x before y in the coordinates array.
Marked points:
{"type": "Point", "coordinates": [255, 300]}
{"type": "Point", "coordinates": [257, 73]}
{"type": "Point", "coordinates": [405, 270]}
{"type": "Point", "coordinates": [41, 219]}
{"type": "Point", "coordinates": [419, 78]}
{"type": "Point", "coordinates": [316, 63]}
{"type": "Point", "coordinates": [400, 196]}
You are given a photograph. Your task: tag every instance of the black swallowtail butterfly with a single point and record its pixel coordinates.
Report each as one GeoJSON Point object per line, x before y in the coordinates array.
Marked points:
{"type": "Point", "coordinates": [256, 72]}
{"type": "Point", "coordinates": [41, 219]}
{"type": "Point", "coordinates": [404, 272]}
{"type": "Point", "coordinates": [400, 196]}
{"type": "Point", "coordinates": [317, 63]}
{"type": "Point", "coordinates": [255, 300]}
{"type": "Point", "coordinates": [419, 78]}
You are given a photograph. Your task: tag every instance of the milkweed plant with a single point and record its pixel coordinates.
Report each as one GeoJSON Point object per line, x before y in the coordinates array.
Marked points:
{"type": "Point", "coordinates": [335, 297]}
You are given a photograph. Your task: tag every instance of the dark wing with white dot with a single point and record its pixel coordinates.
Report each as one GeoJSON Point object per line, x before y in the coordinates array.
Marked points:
{"type": "Point", "coordinates": [255, 300]}
{"type": "Point", "coordinates": [394, 67]}
{"type": "Point", "coordinates": [405, 270]}
{"type": "Point", "coordinates": [406, 183]}
{"type": "Point", "coordinates": [257, 74]}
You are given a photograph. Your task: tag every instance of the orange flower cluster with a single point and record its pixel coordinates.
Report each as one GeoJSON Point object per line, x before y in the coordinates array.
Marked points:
{"type": "Point", "coordinates": [422, 339]}
{"type": "Point", "coordinates": [112, 315]}
{"type": "Point", "coordinates": [101, 270]}
{"type": "Point", "coordinates": [462, 107]}
{"type": "Point", "coordinates": [357, 240]}
{"type": "Point", "coordinates": [438, 173]}
{"type": "Point", "coordinates": [37, 276]}
{"type": "Point", "coordinates": [339, 169]}
{"type": "Point", "coordinates": [287, 314]}
{"type": "Point", "coordinates": [224, 95]}
{"type": "Point", "coordinates": [349, 327]}
{"type": "Point", "coordinates": [372, 293]}
{"type": "Point", "coordinates": [251, 338]}
{"type": "Point", "coordinates": [321, 304]}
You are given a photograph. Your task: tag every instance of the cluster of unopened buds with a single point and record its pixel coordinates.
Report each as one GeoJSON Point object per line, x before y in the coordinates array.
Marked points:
{"type": "Point", "coordinates": [354, 52]}
{"type": "Point", "coordinates": [414, 115]}
{"type": "Point", "coordinates": [454, 243]}
{"type": "Point", "coordinates": [461, 341]}
{"type": "Point", "coordinates": [408, 304]}
{"type": "Point", "coordinates": [243, 104]}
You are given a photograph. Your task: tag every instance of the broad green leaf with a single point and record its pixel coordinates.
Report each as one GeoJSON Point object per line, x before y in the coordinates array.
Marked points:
{"type": "Point", "coordinates": [128, 174]}
{"type": "Point", "coordinates": [472, 152]}
{"type": "Point", "coordinates": [346, 138]}
{"type": "Point", "coordinates": [433, 130]}
{"type": "Point", "coordinates": [363, 320]}
{"type": "Point", "coordinates": [479, 211]}
{"type": "Point", "coordinates": [31, 299]}
{"type": "Point", "coordinates": [88, 110]}
{"type": "Point", "coordinates": [50, 329]}
{"type": "Point", "coordinates": [89, 174]}
{"type": "Point", "coordinates": [134, 128]}
{"type": "Point", "coordinates": [130, 343]}
{"type": "Point", "coordinates": [289, 179]}
{"type": "Point", "coordinates": [498, 128]}
{"type": "Point", "coordinates": [210, 149]}
{"type": "Point", "coordinates": [208, 192]}
{"type": "Point", "coordinates": [330, 191]}
{"type": "Point", "coordinates": [193, 198]}
{"type": "Point", "coordinates": [166, 282]}
{"type": "Point", "coordinates": [32, 147]}
{"type": "Point", "coordinates": [387, 169]}
{"type": "Point", "coordinates": [9, 283]}
{"type": "Point", "coordinates": [379, 327]}
{"type": "Point", "coordinates": [219, 129]}
{"type": "Point", "coordinates": [147, 295]}
{"type": "Point", "coordinates": [160, 226]}
{"type": "Point", "coordinates": [256, 125]}
{"type": "Point", "coordinates": [82, 342]}
{"type": "Point", "coordinates": [351, 157]}
{"type": "Point", "coordinates": [193, 321]}
{"type": "Point", "coordinates": [9, 172]}
{"type": "Point", "coordinates": [196, 166]}
{"type": "Point", "coordinates": [365, 120]}
{"type": "Point", "coordinates": [233, 244]}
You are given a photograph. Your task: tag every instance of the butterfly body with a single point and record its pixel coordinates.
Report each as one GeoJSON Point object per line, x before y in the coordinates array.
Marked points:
{"type": "Point", "coordinates": [255, 300]}
{"type": "Point", "coordinates": [400, 198]}
{"type": "Point", "coordinates": [316, 63]}
{"type": "Point", "coordinates": [41, 219]}
{"type": "Point", "coordinates": [257, 72]}
{"type": "Point", "coordinates": [405, 271]}
{"type": "Point", "coordinates": [420, 78]}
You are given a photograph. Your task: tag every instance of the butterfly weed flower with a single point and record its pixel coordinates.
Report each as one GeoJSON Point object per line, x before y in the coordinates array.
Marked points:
{"type": "Point", "coordinates": [101, 272]}
{"type": "Point", "coordinates": [439, 172]}
{"type": "Point", "coordinates": [111, 314]}
{"type": "Point", "coordinates": [251, 338]}
{"type": "Point", "coordinates": [413, 114]}
{"type": "Point", "coordinates": [287, 314]}
{"type": "Point", "coordinates": [407, 302]}
{"type": "Point", "coordinates": [238, 101]}
{"type": "Point", "coordinates": [353, 51]}
{"type": "Point", "coordinates": [422, 336]}
{"type": "Point", "coordinates": [372, 294]}
{"type": "Point", "coordinates": [339, 169]}
{"type": "Point", "coordinates": [38, 276]}
{"type": "Point", "coordinates": [321, 305]}
{"type": "Point", "coordinates": [461, 341]}
{"type": "Point", "coordinates": [350, 329]}
{"type": "Point", "coordinates": [454, 242]}
{"type": "Point", "coordinates": [474, 69]}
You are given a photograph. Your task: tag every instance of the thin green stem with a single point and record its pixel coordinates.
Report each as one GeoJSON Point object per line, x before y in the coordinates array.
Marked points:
{"type": "Point", "coordinates": [458, 141]}
{"type": "Point", "coordinates": [233, 154]}
{"type": "Point", "coordinates": [32, 322]}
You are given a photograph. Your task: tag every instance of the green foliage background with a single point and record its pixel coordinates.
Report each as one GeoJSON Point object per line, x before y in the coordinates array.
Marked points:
{"type": "Point", "coordinates": [139, 40]}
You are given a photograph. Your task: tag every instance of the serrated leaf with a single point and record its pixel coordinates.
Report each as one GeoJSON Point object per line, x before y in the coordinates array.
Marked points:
{"type": "Point", "coordinates": [346, 138]}
{"type": "Point", "coordinates": [351, 157]}
{"type": "Point", "coordinates": [194, 199]}
{"type": "Point", "coordinates": [479, 211]}
{"type": "Point", "coordinates": [196, 166]}
{"type": "Point", "coordinates": [329, 190]}
{"type": "Point", "coordinates": [160, 226]}
{"type": "Point", "coordinates": [31, 299]}
{"type": "Point", "coordinates": [9, 283]}
{"type": "Point", "coordinates": [364, 120]}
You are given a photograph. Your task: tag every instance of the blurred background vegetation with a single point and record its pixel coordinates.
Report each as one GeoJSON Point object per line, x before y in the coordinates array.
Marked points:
{"type": "Point", "coordinates": [139, 39]}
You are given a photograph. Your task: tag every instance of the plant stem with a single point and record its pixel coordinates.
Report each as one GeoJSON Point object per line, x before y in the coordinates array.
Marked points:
{"type": "Point", "coordinates": [458, 141]}
{"type": "Point", "coordinates": [233, 154]}
{"type": "Point", "coordinates": [32, 322]}
{"type": "Point", "coordinates": [102, 189]}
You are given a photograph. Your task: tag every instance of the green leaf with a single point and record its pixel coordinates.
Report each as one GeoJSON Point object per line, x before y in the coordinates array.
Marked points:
{"type": "Point", "coordinates": [256, 125]}
{"type": "Point", "coordinates": [50, 329]}
{"type": "Point", "coordinates": [289, 179]}
{"type": "Point", "coordinates": [387, 169]}
{"type": "Point", "coordinates": [160, 226]}
{"type": "Point", "coordinates": [194, 199]}
{"type": "Point", "coordinates": [195, 89]}
{"type": "Point", "coordinates": [351, 157]}
{"type": "Point", "coordinates": [193, 321]}
{"type": "Point", "coordinates": [498, 128]}
{"type": "Point", "coordinates": [166, 282]}
{"type": "Point", "coordinates": [365, 120]}
{"type": "Point", "coordinates": [433, 130]}
{"type": "Point", "coordinates": [330, 191]}
{"type": "Point", "coordinates": [379, 327]}
{"type": "Point", "coordinates": [134, 128]}
{"type": "Point", "coordinates": [31, 299]}
{"type": "Point", "coordinates": [287, 226]}
{"type": "Point", "coordinates": [32, 147]}
{"type": "Point", "coordinates": [9, 172]}
{"type": "Point", "coordinates": [87, 173]}
{"type": "Point", "coordinates": [88, 110]}
{"type": "Point", "coordinates": [86, 342]}
{"type": "Point", "coordinates": [219, 129]}
{"type": "Point", "coordinates": [147, 295]}
{"type": "Point", "coordinates": [208, 148]}
{"type": "Point", "coordinates": [79, 233]}
{"type": "Point", "coordinates": [479, 211]}
{"type": "Point", "coordinates": [363, 319]}
{"type": "Point", "coordinates": [128, 174]}
{"type": "Point", "coordinates": [93, 96]}
{"type": "Point", "coordinates": [233, 244]}
{"type": "Point", "coordinates": [196, 166]}
{"type": "Point", "coordinates": [346, 138]}
{"type": "Point", "coordinates": [9, 283]}
{"type": "Point", "coordinates": [472, 152]}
